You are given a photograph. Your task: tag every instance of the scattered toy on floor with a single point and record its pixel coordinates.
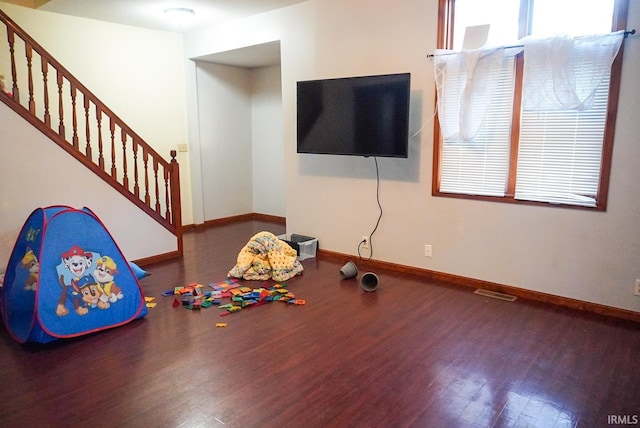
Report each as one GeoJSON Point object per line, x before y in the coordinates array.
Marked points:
{"type": "Point", "coordinates": [240, 296]}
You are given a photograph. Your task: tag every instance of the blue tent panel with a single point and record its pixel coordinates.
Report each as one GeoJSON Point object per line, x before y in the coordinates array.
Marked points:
{"type": "Point", "coordinates": [67, 277]}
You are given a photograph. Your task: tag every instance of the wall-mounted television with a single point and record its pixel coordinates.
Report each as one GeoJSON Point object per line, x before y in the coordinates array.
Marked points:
{"type": "Point", "coordinates": [360, 116]}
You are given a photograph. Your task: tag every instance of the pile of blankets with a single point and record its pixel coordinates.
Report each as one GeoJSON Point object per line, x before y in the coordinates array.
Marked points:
{"type": "Point", "coordinates": [264, 257]}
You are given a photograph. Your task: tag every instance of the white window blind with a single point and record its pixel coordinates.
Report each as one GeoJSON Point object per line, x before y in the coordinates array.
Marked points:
{"type": "Point", "coordinates": [480, 166]}
{"type": "Point", "coordinates": [562, 121]}
{"type": "Point", "coordinates": [560, 153]}
{"type": "Point", "coordinates": [566, 87]}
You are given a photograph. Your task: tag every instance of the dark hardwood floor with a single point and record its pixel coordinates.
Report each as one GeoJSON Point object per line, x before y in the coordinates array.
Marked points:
{"type": "Point", "coordinates": [410, 354]}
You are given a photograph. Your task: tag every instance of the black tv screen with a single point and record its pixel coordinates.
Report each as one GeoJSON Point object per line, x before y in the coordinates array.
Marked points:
{"type": "Point", "coordinates": [361, 116]}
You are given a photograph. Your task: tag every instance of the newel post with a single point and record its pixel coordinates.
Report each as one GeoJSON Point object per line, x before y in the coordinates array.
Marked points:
{"type": "Point", "coordinates": [176, 208]}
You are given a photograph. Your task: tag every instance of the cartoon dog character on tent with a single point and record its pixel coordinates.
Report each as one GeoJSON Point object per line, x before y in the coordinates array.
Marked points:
{"type": "Point", "coordinates": [104, 273]}
{"type": "Point", "coordinates": [30, 262]}
{"type": "Point", "coordinates": [77, 262]}
{"type": "Point", "coordinates": [86, 289]}
{"type": "Point", "coordinates": [91, 293]}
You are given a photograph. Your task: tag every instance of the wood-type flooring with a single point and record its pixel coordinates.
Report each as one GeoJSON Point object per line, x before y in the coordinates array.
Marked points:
{"type": "Point", "coordinates": [413, 353]}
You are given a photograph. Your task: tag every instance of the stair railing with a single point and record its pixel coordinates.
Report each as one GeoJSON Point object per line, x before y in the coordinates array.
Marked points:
{"type": "Point", "coordinates": [47, 95]}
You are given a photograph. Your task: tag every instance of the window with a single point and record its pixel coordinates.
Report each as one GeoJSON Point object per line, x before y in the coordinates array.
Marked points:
{"type": "Point", "coordinates": [517, 148]}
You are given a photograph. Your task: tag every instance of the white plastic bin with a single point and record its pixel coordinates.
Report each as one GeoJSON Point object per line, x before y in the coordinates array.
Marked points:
{"type": "Point", "coordinates": [305, 246]}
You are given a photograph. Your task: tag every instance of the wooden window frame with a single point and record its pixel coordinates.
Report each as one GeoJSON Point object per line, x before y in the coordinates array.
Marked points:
{"type": "Point", "coordinates": [446, 16]}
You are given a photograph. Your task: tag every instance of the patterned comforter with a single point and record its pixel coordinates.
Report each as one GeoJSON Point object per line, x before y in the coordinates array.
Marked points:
{"type": "Point", "coordinates": [265, 256]}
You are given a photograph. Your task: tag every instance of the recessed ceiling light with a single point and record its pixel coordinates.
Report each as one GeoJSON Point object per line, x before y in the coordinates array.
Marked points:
{"type": "Point", "coordinates": [180, 15]}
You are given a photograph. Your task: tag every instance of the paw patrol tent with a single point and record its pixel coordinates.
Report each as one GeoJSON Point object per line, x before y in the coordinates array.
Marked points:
{"type": "Point", "coordinates": [67, 277]}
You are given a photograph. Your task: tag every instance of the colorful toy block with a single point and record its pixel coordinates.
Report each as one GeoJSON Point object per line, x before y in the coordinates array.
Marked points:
{"type": "Point", "coordinates": [240, 296]}
{"type": "Point", "coordinates": [225, 284]}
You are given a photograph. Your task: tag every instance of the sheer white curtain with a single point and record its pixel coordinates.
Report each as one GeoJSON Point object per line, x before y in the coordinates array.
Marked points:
{"type": "Point", "coordinates": [563, 73]}
{"type": "Point", "coordinates": [562, 118]}
{"type": "Point", "coordinates": [465, 82]}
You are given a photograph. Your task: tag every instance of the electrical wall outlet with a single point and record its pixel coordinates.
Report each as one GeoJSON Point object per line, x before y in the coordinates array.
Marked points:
{"type": "Point", "coordinates": [636, 289]}
{"type": "Point", "coordinates": [365, 242]}
{"type": "Point", "coordinates": [428, 250]}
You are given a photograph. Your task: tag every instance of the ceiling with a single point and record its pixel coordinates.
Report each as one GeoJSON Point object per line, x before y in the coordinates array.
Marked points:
{"type": "Point", "coordinates": [150, 14]}
{"type": "Point", "coordinates": [262, 55]}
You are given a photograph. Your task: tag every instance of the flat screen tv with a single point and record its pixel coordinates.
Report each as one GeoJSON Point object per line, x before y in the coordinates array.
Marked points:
{"type": "Point", "coordinates": [360, 116]}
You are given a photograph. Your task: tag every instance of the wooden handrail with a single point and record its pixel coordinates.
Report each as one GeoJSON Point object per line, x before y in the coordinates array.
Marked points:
{"type": "Point", "coordinates": [67, 112]}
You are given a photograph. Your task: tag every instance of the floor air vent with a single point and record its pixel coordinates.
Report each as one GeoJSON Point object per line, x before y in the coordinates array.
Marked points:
{"type": "Point", "coordinates": [495, 295]}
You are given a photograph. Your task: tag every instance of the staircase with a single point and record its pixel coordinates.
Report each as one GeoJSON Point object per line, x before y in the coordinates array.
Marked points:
{"type": "Point", "coordinates": [49, 97]}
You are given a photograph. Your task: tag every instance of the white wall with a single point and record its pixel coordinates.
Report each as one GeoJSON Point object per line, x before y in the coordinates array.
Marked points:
{"type": "Point", "coordinates": [34, 173]}
{"type": "Point", "coordinates": [224, 111]}
{"type": "Point", "coordinates": [591, 256]}
{"type": "Point", "coordinates": [137, 73]}
{"type": "Point", "coordinates": [237, 147]}
{"type": "Point", "coordinates": [267, 141]}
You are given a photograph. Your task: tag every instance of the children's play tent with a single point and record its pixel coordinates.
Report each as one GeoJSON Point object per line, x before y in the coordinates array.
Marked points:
{"type": "Point", "coordinates": [67, 277]}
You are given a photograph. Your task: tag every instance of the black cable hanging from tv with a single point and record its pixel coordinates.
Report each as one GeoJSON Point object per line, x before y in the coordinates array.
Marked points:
{"type": "Point", "coordinates": [379, 216]}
